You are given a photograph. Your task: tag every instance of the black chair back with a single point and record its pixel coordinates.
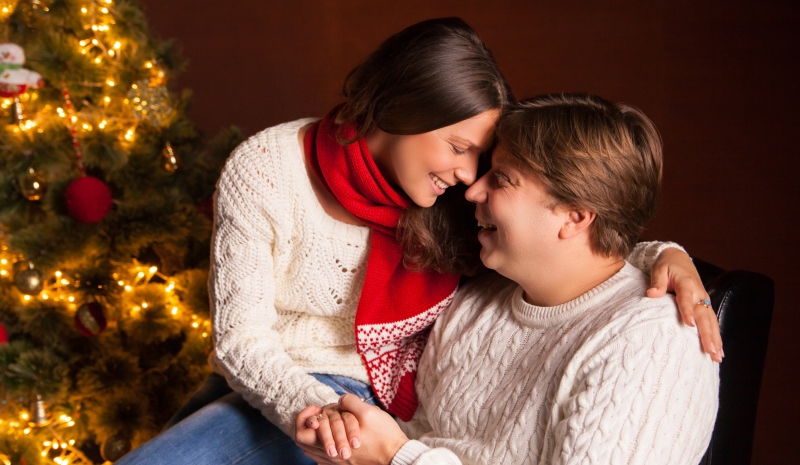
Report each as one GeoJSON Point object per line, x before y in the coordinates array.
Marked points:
{"type": "Point", "coordinates": [743, 301]}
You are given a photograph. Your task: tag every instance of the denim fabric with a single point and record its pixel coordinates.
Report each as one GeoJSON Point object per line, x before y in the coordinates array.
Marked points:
{"type": "Point", "coordinates": [217, 426]}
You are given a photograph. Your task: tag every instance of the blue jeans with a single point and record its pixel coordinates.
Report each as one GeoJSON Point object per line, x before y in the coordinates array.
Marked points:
{"type": "Point", "coordinates": [217, 426]}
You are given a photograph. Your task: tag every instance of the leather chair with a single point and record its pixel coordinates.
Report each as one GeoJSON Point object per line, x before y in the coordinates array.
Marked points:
{"type": "Point", "coordinates": [743, 301]}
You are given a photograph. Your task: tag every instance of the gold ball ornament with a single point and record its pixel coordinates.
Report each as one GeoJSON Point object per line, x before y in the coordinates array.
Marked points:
{"type": "Point", "coordinates": [32, 184]}
{"type": "Point", "coordinates": [150, 102]}
{"type": "Point", "coordinates": [28, 280]}
{"type": "Point", "coordinates": [115, 446]}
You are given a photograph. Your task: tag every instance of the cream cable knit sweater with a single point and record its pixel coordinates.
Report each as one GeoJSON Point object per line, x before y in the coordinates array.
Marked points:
{"type": "Point", "coordinates": [286, 278]}
{"type": "Point", "coordinates": [611, 377]}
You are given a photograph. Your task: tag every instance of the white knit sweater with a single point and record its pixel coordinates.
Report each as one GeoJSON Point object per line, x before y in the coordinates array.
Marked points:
{"type": "Point", "coordinates": [611, 377]}
{"type": "Point", "coordinates": [286, 278]}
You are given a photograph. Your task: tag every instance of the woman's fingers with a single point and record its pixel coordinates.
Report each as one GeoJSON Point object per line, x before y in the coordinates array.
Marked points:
{"type": "Point", "coordinates": [708, 328]}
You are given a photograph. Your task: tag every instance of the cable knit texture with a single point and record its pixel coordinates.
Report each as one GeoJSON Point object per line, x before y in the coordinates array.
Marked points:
{"type": "Point", "coordinates": [611, 377]}
{"type": "Point", "coordinates": [285, 280]}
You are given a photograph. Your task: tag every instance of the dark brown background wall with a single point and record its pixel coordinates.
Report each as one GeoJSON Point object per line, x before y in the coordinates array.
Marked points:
{"type": "Point", "coordinates": [720, 80]}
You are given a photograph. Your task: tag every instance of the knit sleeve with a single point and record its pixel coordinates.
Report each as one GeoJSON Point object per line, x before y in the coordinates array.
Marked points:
{"type": "Point", "coordinates": [648, 398]}
{"type": "Point", "coordinates": [249, 206]}
{"type": "Point", "coordinates": [646, 253]}
{"type": "Point", "coordinates": [417, 453]}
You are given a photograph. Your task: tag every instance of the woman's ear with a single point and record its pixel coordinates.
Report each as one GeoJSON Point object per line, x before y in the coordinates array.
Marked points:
{"type": "Point", "coordinates": [576, 221]}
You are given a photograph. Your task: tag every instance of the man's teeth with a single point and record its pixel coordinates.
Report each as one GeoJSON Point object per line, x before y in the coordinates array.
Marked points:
{"type": "Point", "coordinates": [439, 183]}
{"type": "Point", "coordinates": [483, 225]}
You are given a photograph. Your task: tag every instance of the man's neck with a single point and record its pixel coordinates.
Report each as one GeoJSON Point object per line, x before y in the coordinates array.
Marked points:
{"type": "Point", "coordinates": [569, 277]}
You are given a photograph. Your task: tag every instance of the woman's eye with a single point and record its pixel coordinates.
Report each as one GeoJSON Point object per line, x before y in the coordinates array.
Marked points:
{"type": "Point", "coordinates": [456, 150]}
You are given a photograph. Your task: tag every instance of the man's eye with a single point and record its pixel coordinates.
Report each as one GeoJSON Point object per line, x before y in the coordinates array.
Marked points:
{"type": "Point", "coordinates": [500, 178]}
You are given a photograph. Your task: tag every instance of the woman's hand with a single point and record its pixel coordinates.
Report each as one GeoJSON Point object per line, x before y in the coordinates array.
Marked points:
{"type": "Point", "coordinates": [674, 271]}
{"type": "Point", "coordinates": [336, 431]}
{"type": "Point", "coordinates": [381, 436]}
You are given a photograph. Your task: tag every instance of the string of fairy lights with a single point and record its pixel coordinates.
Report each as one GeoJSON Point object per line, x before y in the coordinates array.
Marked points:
{"type": "Point", "coordinates": [146, 101]}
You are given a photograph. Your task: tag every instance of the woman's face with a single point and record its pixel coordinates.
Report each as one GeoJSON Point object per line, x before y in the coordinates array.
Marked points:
{"type": "Point", "coordinates": [425, 165]}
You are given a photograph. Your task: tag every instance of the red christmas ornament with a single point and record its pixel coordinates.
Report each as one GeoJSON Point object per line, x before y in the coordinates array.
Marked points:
{"type": "Point", "coordinates": [90, 319]}
{"type": "Point", "coordinates": [3, 334]}
{"type": "Point", "coordinates": [88, 199]}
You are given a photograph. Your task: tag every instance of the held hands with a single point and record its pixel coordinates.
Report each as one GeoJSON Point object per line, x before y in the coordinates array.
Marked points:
{"type": "Point", "coordinates": [351, 432]}
{"type": "Point", "coordinates": [674, 271]}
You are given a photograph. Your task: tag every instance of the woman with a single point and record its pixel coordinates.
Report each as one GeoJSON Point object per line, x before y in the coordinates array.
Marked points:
{"type": "Point", "coordinates": [332, 254]}
{"type": "Point", "coordinates": [564, 361]}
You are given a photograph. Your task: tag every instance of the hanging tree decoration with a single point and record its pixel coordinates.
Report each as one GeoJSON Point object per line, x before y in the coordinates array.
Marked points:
{"type": "Point", "coordinates": [90, 319]}
{"type": "Point", "coordinates": [3, 334]}
{"type": "Point", "coordinates": [171, 161]}
{"type": "Point", "coordinates": [14, 79]}
{"type": "Point", "coordinates": [150, 102]}
{"type": "Point", "coordinates": [88, 198]}
{"type": "Point", "coordinates": [28, 280]}
{"type": "Point", "coordinates": [32, 184]}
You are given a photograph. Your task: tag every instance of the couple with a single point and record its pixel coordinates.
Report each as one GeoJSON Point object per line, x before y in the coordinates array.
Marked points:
{"type": "Point", "coordinates": [338, 242]}
{"type": "Point", "coordinates": [561, 359]}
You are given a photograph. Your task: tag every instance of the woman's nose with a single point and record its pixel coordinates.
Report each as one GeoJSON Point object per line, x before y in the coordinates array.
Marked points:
{"type": "Point", "coordinates": [468, 172]}
{"type": "Point", "coordinates": [477, 192]}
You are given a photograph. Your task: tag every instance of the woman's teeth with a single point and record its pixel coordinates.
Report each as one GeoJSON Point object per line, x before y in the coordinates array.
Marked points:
{"type": "Point", "coordinates": [439, 183]}
{"type": "Point", "coordinates": [483, 225]}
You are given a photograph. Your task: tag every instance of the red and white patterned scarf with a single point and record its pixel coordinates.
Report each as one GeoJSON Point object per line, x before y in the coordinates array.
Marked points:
{"type": "Point", "coordinates": [397, 306]}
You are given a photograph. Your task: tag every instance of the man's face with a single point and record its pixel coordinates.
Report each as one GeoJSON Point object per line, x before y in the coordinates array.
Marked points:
{"type": "Point", "coordinates": [518, 224]}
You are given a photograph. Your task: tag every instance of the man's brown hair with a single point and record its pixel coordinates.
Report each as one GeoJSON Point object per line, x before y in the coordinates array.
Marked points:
{"type": "Point", "coordinates": [591, 154]}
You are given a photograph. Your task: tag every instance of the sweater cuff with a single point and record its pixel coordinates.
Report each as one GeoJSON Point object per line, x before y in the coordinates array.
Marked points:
{"type": "Point", "coordinates": [409, 453]}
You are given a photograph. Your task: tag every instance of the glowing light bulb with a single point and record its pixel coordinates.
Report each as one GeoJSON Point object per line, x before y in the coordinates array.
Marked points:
{"type": "Point", "coordinates": [144, 304]}
{"type": "Point", "coordinates": [117, 45]}
{"type": "Point", "coordinates": [174, 310]}
{"type": "Point", "coordinates": [84, 10]}
{"type": "Point", "coordinates": [153, 269]}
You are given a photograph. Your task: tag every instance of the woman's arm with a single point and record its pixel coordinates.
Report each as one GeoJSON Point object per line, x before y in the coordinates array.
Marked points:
{"type": "Point", "coordinates": [671, 269]}
{"type": "Point", "coordinates": [248, 351]}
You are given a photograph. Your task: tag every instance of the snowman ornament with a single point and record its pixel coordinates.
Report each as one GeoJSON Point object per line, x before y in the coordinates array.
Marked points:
{"type": "Point", "coordinates": [14, 79]}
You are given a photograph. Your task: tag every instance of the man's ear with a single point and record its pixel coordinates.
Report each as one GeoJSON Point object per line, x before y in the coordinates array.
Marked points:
{"type": "Point", "coordinates": [576, 221]}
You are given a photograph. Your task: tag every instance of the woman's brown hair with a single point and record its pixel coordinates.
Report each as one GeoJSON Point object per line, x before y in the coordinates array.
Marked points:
{"type": "Point", "coordinates": [430, 75]}
{"type": "Point", "coordinates": [593, 154]}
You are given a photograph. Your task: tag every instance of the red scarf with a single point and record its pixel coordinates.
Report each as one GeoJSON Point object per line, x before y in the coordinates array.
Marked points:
{"type": "Point", "coordinates": [397, 306]}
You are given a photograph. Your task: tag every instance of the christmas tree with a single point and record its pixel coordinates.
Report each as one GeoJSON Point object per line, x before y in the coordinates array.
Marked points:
{"type": "Point", "coordinates": [105, 222]}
